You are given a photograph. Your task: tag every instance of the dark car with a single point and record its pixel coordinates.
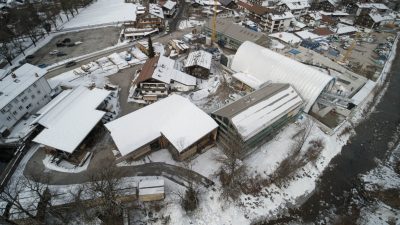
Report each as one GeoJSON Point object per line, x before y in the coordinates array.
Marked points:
{"type": "Point", "coordinates": [29, 58]}
{"type": "Point", "coordinates": [70, 44]}
{"type": "Point", "coordinates": [60, 44]}
{"type": "Point", "coordinates": [43, 65]}
{"type": "Point", "coordinates": [69, 64]}
{"type": "Point", "coordinates": [59, 54]}
{"type": "Point", "coordinates": [66, 40]}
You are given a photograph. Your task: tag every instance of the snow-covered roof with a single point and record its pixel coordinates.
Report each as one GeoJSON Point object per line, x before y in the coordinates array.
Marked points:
{"type": "Point", "coordinates": [335, 13]}
{"type": "Point", "coordinates": [286, 37]}
{"type": "Point", "coordinates": [199, 58]}
{"type": "Point", "coordinates": [305, 34]}
{"type": "Point", "coordinates": [372, 5]}
{"type": "Point", "coordinates": [206, 2]}
{"type": "Point", "coordinates": [174, 117]}
{"type": "Point", "coordinates": [151, 183]}
{"type": "Point", "coordinates": [261, 115]}
{"type": "Point", "coordinates": [299, 24]}
{"type": "Point", "coordinates": [363, 92]}
{"type": "Point", "coordinates": [316, 16]}
{"type": "Point", "coordinates": [163, 69]}
{"type": "Point", "coordinates": [156, 10]}
{"type": "Point", "coordinates": [180, 44]}
{"type": "Point", "coordinates": [11, 87]}
{"type": "Point", "coordinates": [281, 16]}
{"type": "Point", "coordinates": [166, 72]}
{"type": "Point", "coordinates": [267, 65]}
{"type": "Point", "coordinates": [247, 79]}
{"type": "Point", "coordinates": [169, 4]}
{"type": "Point", "coordinates": [345, 29]}
{"type": "Point", "coordinates": [70, 117]}
{"type": "Point", "coordinates": [376, 17]}
{"type": "Point", "coordinates": [296, 4]}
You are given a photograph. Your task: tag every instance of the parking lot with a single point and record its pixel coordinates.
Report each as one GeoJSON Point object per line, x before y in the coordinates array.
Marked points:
{"type": "Point", "coordinates": [362, 59]}
{"type": "Point", "coordinates": [92, 40]}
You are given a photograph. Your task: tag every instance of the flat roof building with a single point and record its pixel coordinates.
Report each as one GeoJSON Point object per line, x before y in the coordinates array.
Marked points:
{"type": "Point", "coordinates": [233, 35]}
{"type": "Point", "coordinates": [253, 119]}
{"type": "Point", "coordinates": [22, 92]}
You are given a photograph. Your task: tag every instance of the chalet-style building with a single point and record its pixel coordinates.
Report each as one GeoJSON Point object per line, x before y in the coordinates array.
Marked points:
{"type": "Point", "coordinates": [297, 7]}
{"type": "Point", "coordinates": [151, 16]}
{"type": "Point", "coordinates": [157, 78]}
{"type": "Point", "coordinates": [328, 5]}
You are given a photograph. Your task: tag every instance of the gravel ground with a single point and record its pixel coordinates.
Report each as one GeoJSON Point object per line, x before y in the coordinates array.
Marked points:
{"type": "Point", "coordinates": [93, 40]}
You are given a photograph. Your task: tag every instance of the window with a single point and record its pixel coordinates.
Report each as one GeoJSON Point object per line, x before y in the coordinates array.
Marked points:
{"type": "Point", "coordinates": [33, 96]}
{"type": "Point", "coordinates": [3, 111]}
{"type": "Point", "coordinates": [28, 106]}
{"type": "Point", "coordinates": [8, 118]}
{"type": "Point", "coordinates": [34, 85]}
{"type": "Point", "coordinates": [29, 90]}
{"type": "Point", "coordinates": [26, 98]}
{"type": "Point", "coordinates": [15, 113]}
{"type": "Point", "coordinates": [15, 100]}
{"type": "Point", "coordinates": [39, 92]}
{"type": "Point", "coordinates": [20, 108]}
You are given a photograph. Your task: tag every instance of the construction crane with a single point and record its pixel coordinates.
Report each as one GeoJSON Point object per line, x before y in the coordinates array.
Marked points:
{"type": "Point", "coordinates": [214, 23]}
{"type": "Point", "coordinates": [350, 50]}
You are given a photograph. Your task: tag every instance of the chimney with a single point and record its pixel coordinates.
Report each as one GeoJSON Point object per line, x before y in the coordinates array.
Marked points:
{"type": "Point", "coordinates": [13, 75]}
{"type": "Point", "coordinates": [36, 75]}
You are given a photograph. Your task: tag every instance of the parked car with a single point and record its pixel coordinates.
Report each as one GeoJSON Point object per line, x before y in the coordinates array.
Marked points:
{"type": "Point", "coordinates": [128, 57]}
{"type": "Point", "coordinates": [43, 65]}
{"type": "Point", "coordinates": [59, 54]}
{"type": "Point", "coordinates": [66, 40]}
{"type": "Point", "coordinates": [69, 64]}
{"type": "Point", "coordinates": [29, 58]}
{"type": "Point", "coordinates": [54, 52]}
{"type": "Point", "coordinates": [60, 44]}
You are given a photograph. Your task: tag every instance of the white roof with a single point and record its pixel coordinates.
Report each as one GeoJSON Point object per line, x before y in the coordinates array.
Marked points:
{"type": "Point", "coordinates": [174, 117]}
{"type": "Point", "coordinates": [166, 72]}
{"type": "Point", "coordinates": [258, 117]}
{"type": "Point", "coordinates": [305, 34]}
{"type": "Point", "coordinates": [267, 65]}
{"type": "Point", "coordinates": [69, 118]}
{"type": "Point", "coordinates": [363, 92]}
{"type": "Point", "coordinates": [180, 44]}
{"type": "Point", "coordinates": [10, 87]}
{"type": "Point", "coordinates": [344, 29]}
{"type": "Point", "coordinates": [296, 4]}
{"type": "Point", "coordinates": [156, 10]}
{"type": "Point", "coordinates": [199, 58]}
{"type": "Point", "coordinates": [247, 79]}
{"type": "Point", "coordinates": [169, 4]}
{"type": "Point", "coordinates": [299, 24]}
{"type": "Point", "coordinates": [282, 16]}
{"type": "Point", "coordinates": [376, 17]}
{"type": "Point", "coordinates": [316, 16]}
{"type": "Point", "coordinates": [335, 13]}
{"type": "Point", "coordinates": [151, 183]}
{"type": "Point", "coordinates": [372, 5]}
{"type": "Point", "coordinates": [286, 37]}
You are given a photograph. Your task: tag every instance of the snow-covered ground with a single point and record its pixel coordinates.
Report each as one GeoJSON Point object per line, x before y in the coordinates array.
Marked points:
{"type": "Point", "coordinates": [64, 166]}
{"type": "Point", "coordinates": [103, 12]}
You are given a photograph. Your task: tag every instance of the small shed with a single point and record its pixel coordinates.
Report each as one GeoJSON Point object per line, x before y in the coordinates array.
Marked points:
{"type": "Point", "coordinates": [151, 190]}
{"type": "Point", "coordinates": [198, 64]}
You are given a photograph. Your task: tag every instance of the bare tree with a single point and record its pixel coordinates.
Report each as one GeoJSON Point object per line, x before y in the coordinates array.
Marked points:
{"type": "Point", "coordinates": [233, 170]}
{"type": "Point", "coordinates": [103, 187]}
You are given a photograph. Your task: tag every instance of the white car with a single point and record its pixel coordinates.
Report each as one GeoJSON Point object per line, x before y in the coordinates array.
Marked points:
{"type": "Point", "coordinates": [54, 52]}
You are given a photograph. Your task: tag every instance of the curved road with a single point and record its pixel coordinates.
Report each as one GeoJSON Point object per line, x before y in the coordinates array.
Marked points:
{"type": "Point", "coordinates": [175, 173]}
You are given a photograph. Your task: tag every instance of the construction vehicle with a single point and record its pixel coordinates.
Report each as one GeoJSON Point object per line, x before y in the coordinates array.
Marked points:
{"type": "Point", "coordinates": [347, 55]}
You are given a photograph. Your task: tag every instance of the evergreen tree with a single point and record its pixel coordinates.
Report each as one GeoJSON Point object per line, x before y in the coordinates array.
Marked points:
{"type": "Point", "coordinates": [151, 52]}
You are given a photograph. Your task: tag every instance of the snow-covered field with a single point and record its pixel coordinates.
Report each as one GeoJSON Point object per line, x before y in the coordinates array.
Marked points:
{"type": "Point", "coordinates": [103, 12]}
